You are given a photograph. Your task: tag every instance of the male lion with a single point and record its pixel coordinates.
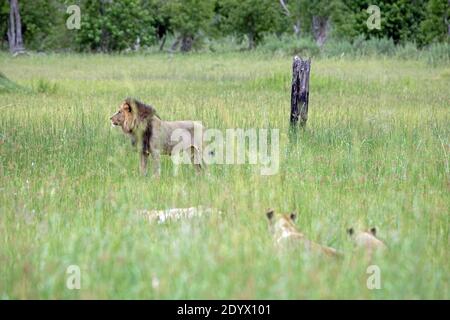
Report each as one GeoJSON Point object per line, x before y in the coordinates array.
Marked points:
{"type": "Point", "coordinates": [158, 137]}
{"type": "Point", "coordinates": [285, 234]}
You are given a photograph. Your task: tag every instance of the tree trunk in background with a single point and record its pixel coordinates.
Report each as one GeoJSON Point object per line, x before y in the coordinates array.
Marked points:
{"type": "Point", "coordinates": [104, 43]}
{"type": "Point", "coordinates": [297, 28]}
{"type": "Point", "coordinates": [286, 11]}
{"type": "Point", "coordinates": [186, 43]}
{"type": "Point", "coordinates": [163, 42]}
{"type": "Point", "coordinates": [175, 44]}
{"type": "Point", "coordinates": [15, 39]}
{"type": "Point", "coordinates": [320, 26]}
{"type": "Point", "coordinates": [251, 41]}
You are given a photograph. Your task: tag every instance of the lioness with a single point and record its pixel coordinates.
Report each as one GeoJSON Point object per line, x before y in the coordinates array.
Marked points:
{"type": "Point", "coordinates": [285, 234]}
{"type": "Point", "coordinates": [367, 240]}
{"type": "Point", "coordinates": [155, 136]}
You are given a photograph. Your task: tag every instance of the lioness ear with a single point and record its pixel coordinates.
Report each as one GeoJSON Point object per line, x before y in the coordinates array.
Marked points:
{"type": "Point", "coordinates": [373, 231]}
{"type": "Point", "coordinates": [293, 216]}
{"type": "Point", "coordinates": [350, 231]}
{"type": "Point", "coordinates": [269, 214]}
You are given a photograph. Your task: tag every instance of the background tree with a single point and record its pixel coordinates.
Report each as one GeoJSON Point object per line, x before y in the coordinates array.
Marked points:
{"type": "Point", "coordinates": [316, 17]}
{"type": "Point", "coordinates": [320, 12]}
{"type": "Point", "coordinates": [161, 19]}
{"type": "Point", "coordinates": [436, 25]}
{"type": "Point", "coordinates": [4, 15]}
{"type": "Point", "coordinates": [15, 39]}
{"type": "Point", "coordinates": [116, 25]}
{"type": "Point", "coordinates": [296, 12]}
{"type": "Point", "coordinates": [252, 18]}
{"type": "Point", "coordinates": [42, 30]}
{"type": "Point", "coordinates": [400, 19]}
{"type": "Point", "coordinates": [113, 25]}
{"type": "Point", "coordinates": [189, 19]}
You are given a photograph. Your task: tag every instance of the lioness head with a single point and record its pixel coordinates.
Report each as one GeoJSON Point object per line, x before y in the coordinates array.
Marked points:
{"type": "Point", "coordinates": [130, 114]}
{"type": "Point", "coordinates": [286, 234]}
{"type": "Point", "coordinates": [366, 239]}
{"type": "Point", "coordinates": [281, 224]}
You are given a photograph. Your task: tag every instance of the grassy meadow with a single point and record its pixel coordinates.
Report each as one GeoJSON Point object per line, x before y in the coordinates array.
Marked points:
{"type": "Point", "coordinates": [375, 153]}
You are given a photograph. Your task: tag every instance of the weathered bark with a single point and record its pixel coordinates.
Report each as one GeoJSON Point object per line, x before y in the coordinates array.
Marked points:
{"type": "Point", "coordinates": [320, 26]}
{"type": "Point", "coordinates": [104, 41]}
{"type": "Point", "coordinates": [163, 42]}
{"type": "Point", "coordinates": [300, 91]}
{"type": "Point", "coordinates": [285, 8]}
{"type": "Point", "coordinates": [186, 43]}
{"type": "Point", "coordinates": [174, 45]}
{"type": "Point", "coordinates": [14, 33]}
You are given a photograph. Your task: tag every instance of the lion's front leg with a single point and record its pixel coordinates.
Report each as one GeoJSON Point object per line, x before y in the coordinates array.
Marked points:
{"type": "Point", "coordinates": [156, 162]}
{"type": "Point", "coordinates": [196, 159]}
{"type": "Point", "coordinates": [133, 140]}
{"type": "Point", "coordinates": [144, 158]}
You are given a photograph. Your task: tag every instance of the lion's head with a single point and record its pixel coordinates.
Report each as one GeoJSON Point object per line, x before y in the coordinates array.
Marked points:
{"type": "Point", "coordinates": [281, 223]}
{"type": "Point", "coordinates": [131, 113]}
{"type": "Point", "coordinates": [366, 239]}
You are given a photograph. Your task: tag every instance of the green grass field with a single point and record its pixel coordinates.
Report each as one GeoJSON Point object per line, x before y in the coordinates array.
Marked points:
{"type": "Point", "coordinates": [375, 153]}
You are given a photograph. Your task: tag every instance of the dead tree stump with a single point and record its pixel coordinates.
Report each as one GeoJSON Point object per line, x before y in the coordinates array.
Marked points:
{"type": "Point", "coordinates": [300, 91]}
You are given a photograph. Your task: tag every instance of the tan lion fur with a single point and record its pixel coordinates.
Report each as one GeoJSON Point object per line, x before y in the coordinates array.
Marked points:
{"type": "Point", "coordinates": [367, 241]}
{"type": "Point", "coordinates": [285, 233]}
{"type": "Point", "coordinates": [153, 135]}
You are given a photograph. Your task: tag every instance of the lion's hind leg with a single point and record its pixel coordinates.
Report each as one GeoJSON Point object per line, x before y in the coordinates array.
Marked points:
{"type": "Point", "coordinates": [196, 158]}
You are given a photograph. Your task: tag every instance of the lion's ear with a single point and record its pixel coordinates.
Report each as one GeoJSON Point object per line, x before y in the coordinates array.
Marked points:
{"type": "Point", "coordinates": [373, 231]}
{"type": "Point", "coordinates": [269, 214]}
{"type": "Point", "coordinates": [127, 107]}
{"type": "Point", "coordinates": [350, 231]}
{"type": "Point", "coordinates": [293, 216]}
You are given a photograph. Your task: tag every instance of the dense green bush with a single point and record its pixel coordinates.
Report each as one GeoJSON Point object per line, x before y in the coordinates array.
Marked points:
{"type": "Point", "coordinates": [400, 19]}
{"type": "Point", "coordinates": [117, 25]}
{"type": "Point", "coordinates": [40, 30]}
{"type": "Point", "coordinates": [114, 25]}
{"type": "Point", "coordinates": [190, 19]}
{"type": "Point", "coordinates": [250, 18]}
{"type": "Point", "coordinates": [434, 27]}
{"type": "Point", "coordinates": [337, 48]}
{"type": "Point", "coordinates": [437, 53]}
{"type": "Point", "coordinates": [291, 45]}
{"type": "Point", "coordinates": [374, 46]}
{"type": "Point", "coordinates": [407, 51]}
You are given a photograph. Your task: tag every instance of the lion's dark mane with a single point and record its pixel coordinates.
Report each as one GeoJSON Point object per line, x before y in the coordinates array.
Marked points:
{"type": "Point", "coordinates": [143, 109]}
